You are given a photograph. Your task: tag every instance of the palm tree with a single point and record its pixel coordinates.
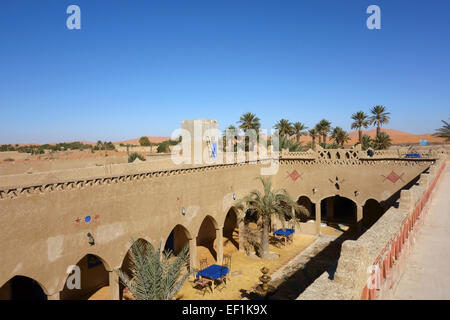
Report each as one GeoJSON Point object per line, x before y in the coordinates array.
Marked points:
{"type": "Point", "coordinates": [292, 146]}
{"type": "Point", "coordinates": [340, 136]}
{"type": "Point", "coordinates": [382, 141]}
{"type": "Point", "coordinates": [155, 275]}
{"type": "Point", "coordinates": [319, 129]}
{"type": "Point", "coordinates": [313, 134]}
{"type": "Point", "coordinates": [232, 134]}
{"type": "Point", "coordinates": [325, 128]}
{"type": "Point", "coordinates": [249, 121]}
{"type": "Point", "coordinates": [360, 121]}
{"type": "Point", "coordinates": [366, 142]}
{"type": "Point", "coordinates": [380, 117]}
{"type": "Point", "coordinates": [284, 127]}
{"type": "Point", "coordinates": [444, 131]}
{"type": "Point", "coordinates": [267, 204]}
{"type": "Point", "coordinates": [299, 130]}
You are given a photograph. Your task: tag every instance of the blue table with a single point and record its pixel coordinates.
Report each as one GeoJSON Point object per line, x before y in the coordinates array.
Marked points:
{"type": "Point", "coordinates": [284, 232]}
{"type": "Point", "coordinates": [413, 155]}
{"type": "Point", "coordinates": [214, 272]}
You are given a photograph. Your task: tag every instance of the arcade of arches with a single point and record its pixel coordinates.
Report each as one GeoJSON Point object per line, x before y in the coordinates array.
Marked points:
{"type": "Point", "coordinates": [212, 241]}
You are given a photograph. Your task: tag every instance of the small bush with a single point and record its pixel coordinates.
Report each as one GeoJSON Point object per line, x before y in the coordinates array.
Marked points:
{"type": "Point", "coordinates": [135, 155]}
{"type": "Point", "coordinates": [164, 146]}
{"type": "Point", "coordinates": [144, 141]}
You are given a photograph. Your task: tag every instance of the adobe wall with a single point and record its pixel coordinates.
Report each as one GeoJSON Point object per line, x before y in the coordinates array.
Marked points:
{"type": "Point", "coordinates": [131, 201]}
{"type": "Point", "coordinates": [374, 254]}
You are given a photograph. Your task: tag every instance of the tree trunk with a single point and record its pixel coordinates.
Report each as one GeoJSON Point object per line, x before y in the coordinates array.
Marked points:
{"type": "Point", "coordinates": [320, 139]}
{"type": "Point", "coordinates": [298, 138]}
{"type": "Point", "coordinates": [324, 138]}
{"type": "Point", "coordinates": [265, 238]}
{"type": "Point", "coordinates": [314, 143]}
{"type": "Point", "coordinates": [378, 129]}
{"type": "Point", "coordinates": [360, 136]}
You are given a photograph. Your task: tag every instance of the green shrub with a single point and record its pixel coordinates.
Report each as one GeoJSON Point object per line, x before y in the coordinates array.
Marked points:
{"type": "Point", "coordinates": [144, 142]}
{"type": "Point", "coordinates": [164, 146]}
{"type": "Point", "coordinates": [135, 155]}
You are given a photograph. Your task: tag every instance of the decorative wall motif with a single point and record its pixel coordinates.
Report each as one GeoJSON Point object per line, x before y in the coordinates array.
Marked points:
{"type": "Point", "coordinates": [294, 175]}
{"type": "Point", "coordinates": [87, 219]}
{"type": "Point", "coordinates": [336, 182]}
{"type": "Point", "coordinates": [393, 177]}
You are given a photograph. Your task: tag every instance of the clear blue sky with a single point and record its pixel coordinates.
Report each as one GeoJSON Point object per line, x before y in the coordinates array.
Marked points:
{"type": "Point", "coordinates": [140, 67]}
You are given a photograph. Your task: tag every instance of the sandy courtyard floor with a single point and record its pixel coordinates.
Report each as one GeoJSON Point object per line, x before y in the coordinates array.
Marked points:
{"type": "Point", "coordinates": [245, 272]}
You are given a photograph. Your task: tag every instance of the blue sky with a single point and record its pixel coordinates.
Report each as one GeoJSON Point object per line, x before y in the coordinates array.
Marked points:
{"type": "Point", "coordinates": [140, 67]}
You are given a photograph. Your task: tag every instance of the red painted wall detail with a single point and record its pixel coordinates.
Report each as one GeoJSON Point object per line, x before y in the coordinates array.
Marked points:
{"type": "Point", "coordinates": [393, 177]}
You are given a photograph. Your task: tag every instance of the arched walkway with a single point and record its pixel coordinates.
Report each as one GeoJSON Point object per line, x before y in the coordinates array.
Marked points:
{"type": "Point", "coordinates": [22, 288]}
{"type": "Point", "coordinates": [177, 240]}
{"type": "Point", "coordinates": [372, 211]}
{"type": "Point", "coordinates": [310, 208]}
{"type": "Point", "coordinates": [126, 266]}
{"type": "Point", "coordinates": [231, 232]}
{"type": "Point", "coordinates": [337, 209]}
{"type": "Point", "coordinates": [206, 247]}
{"type": "Point", "coordinates": [93, 277]}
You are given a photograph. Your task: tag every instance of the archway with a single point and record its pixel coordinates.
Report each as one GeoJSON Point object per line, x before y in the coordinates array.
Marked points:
{"type": "Point", "coordinates": [231, 232]}
{"type": "Point", "coordinates": [372, 211]}
{"type": "Point", "coordinates": [310, 208]}
{"type": "Point", "coordinates": [206, 241]}
{"type": "Point", "coordinates": [177, 240]}
{"type": "Point", "coordinates": [337, 209]}
{"type": "Point", "coordinates": [126, 268]}
{"type": "Point", "coordinates": [22, 288]}
{"type": "Point", "coordinates": [93, 277]}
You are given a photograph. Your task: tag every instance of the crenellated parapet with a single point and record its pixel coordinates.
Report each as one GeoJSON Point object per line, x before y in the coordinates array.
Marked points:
{"type": "Point", "coordinates": [22, 185]}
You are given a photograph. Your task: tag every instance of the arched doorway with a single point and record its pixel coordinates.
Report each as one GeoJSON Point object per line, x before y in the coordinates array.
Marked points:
{"type": "Point", "coordinates": [372, 211]}
{"type": "Point", "coordinates": [22, 288]}
{"type": "Point", "coordinates": [206, 240]}
{"type": "Point", "coordinates": [231, 232]}
{"type": "Point", "coordinates": [177, 240]}
{"type": "Point", "coordinates": [93, 277]}
{"type": "Point", "coordinates": [309, 207]}
{"type": "Point", "coordinates": [126, 268]}
{"type": "Point", "coordinates": [337, 209]}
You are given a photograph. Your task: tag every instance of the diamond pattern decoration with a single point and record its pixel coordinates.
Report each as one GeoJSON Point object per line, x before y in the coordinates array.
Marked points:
{"type": "Point", "coordinates": [294, 175]}
{"type": "Point", "coordinates": [393, 177]}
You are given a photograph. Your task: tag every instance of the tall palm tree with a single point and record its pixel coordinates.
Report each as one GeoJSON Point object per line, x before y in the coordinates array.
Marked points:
{"type": "Point", "coordinates": [324, 129]}
{"type": "Point", "coordinates": [379, 117]}
{"type": "Point", "coordinates": [267, 204]}
{"type": "Point", "coordinates": [299, 130]}
{"type": "Point", "coordinates": [318, 128]}
{"type": "Point", "coordinates": [249, 121]}
{"type": "Point", "coordinates": [313, 134]}
{"type": "Point", "coordinates": [444, 131]}
{"type": "Point", "coordinates": [382, 141]}
{"type": "Point", "coordinates": [232, 134]}
{"type": "Point", "coordinates": [360, 121]}
{"type": "Point", "coordinates": [340, 136]}
{"type": "Point", "coordinates": [155, 275]}
{"type": "Point", "coordinates": [284, 127]}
